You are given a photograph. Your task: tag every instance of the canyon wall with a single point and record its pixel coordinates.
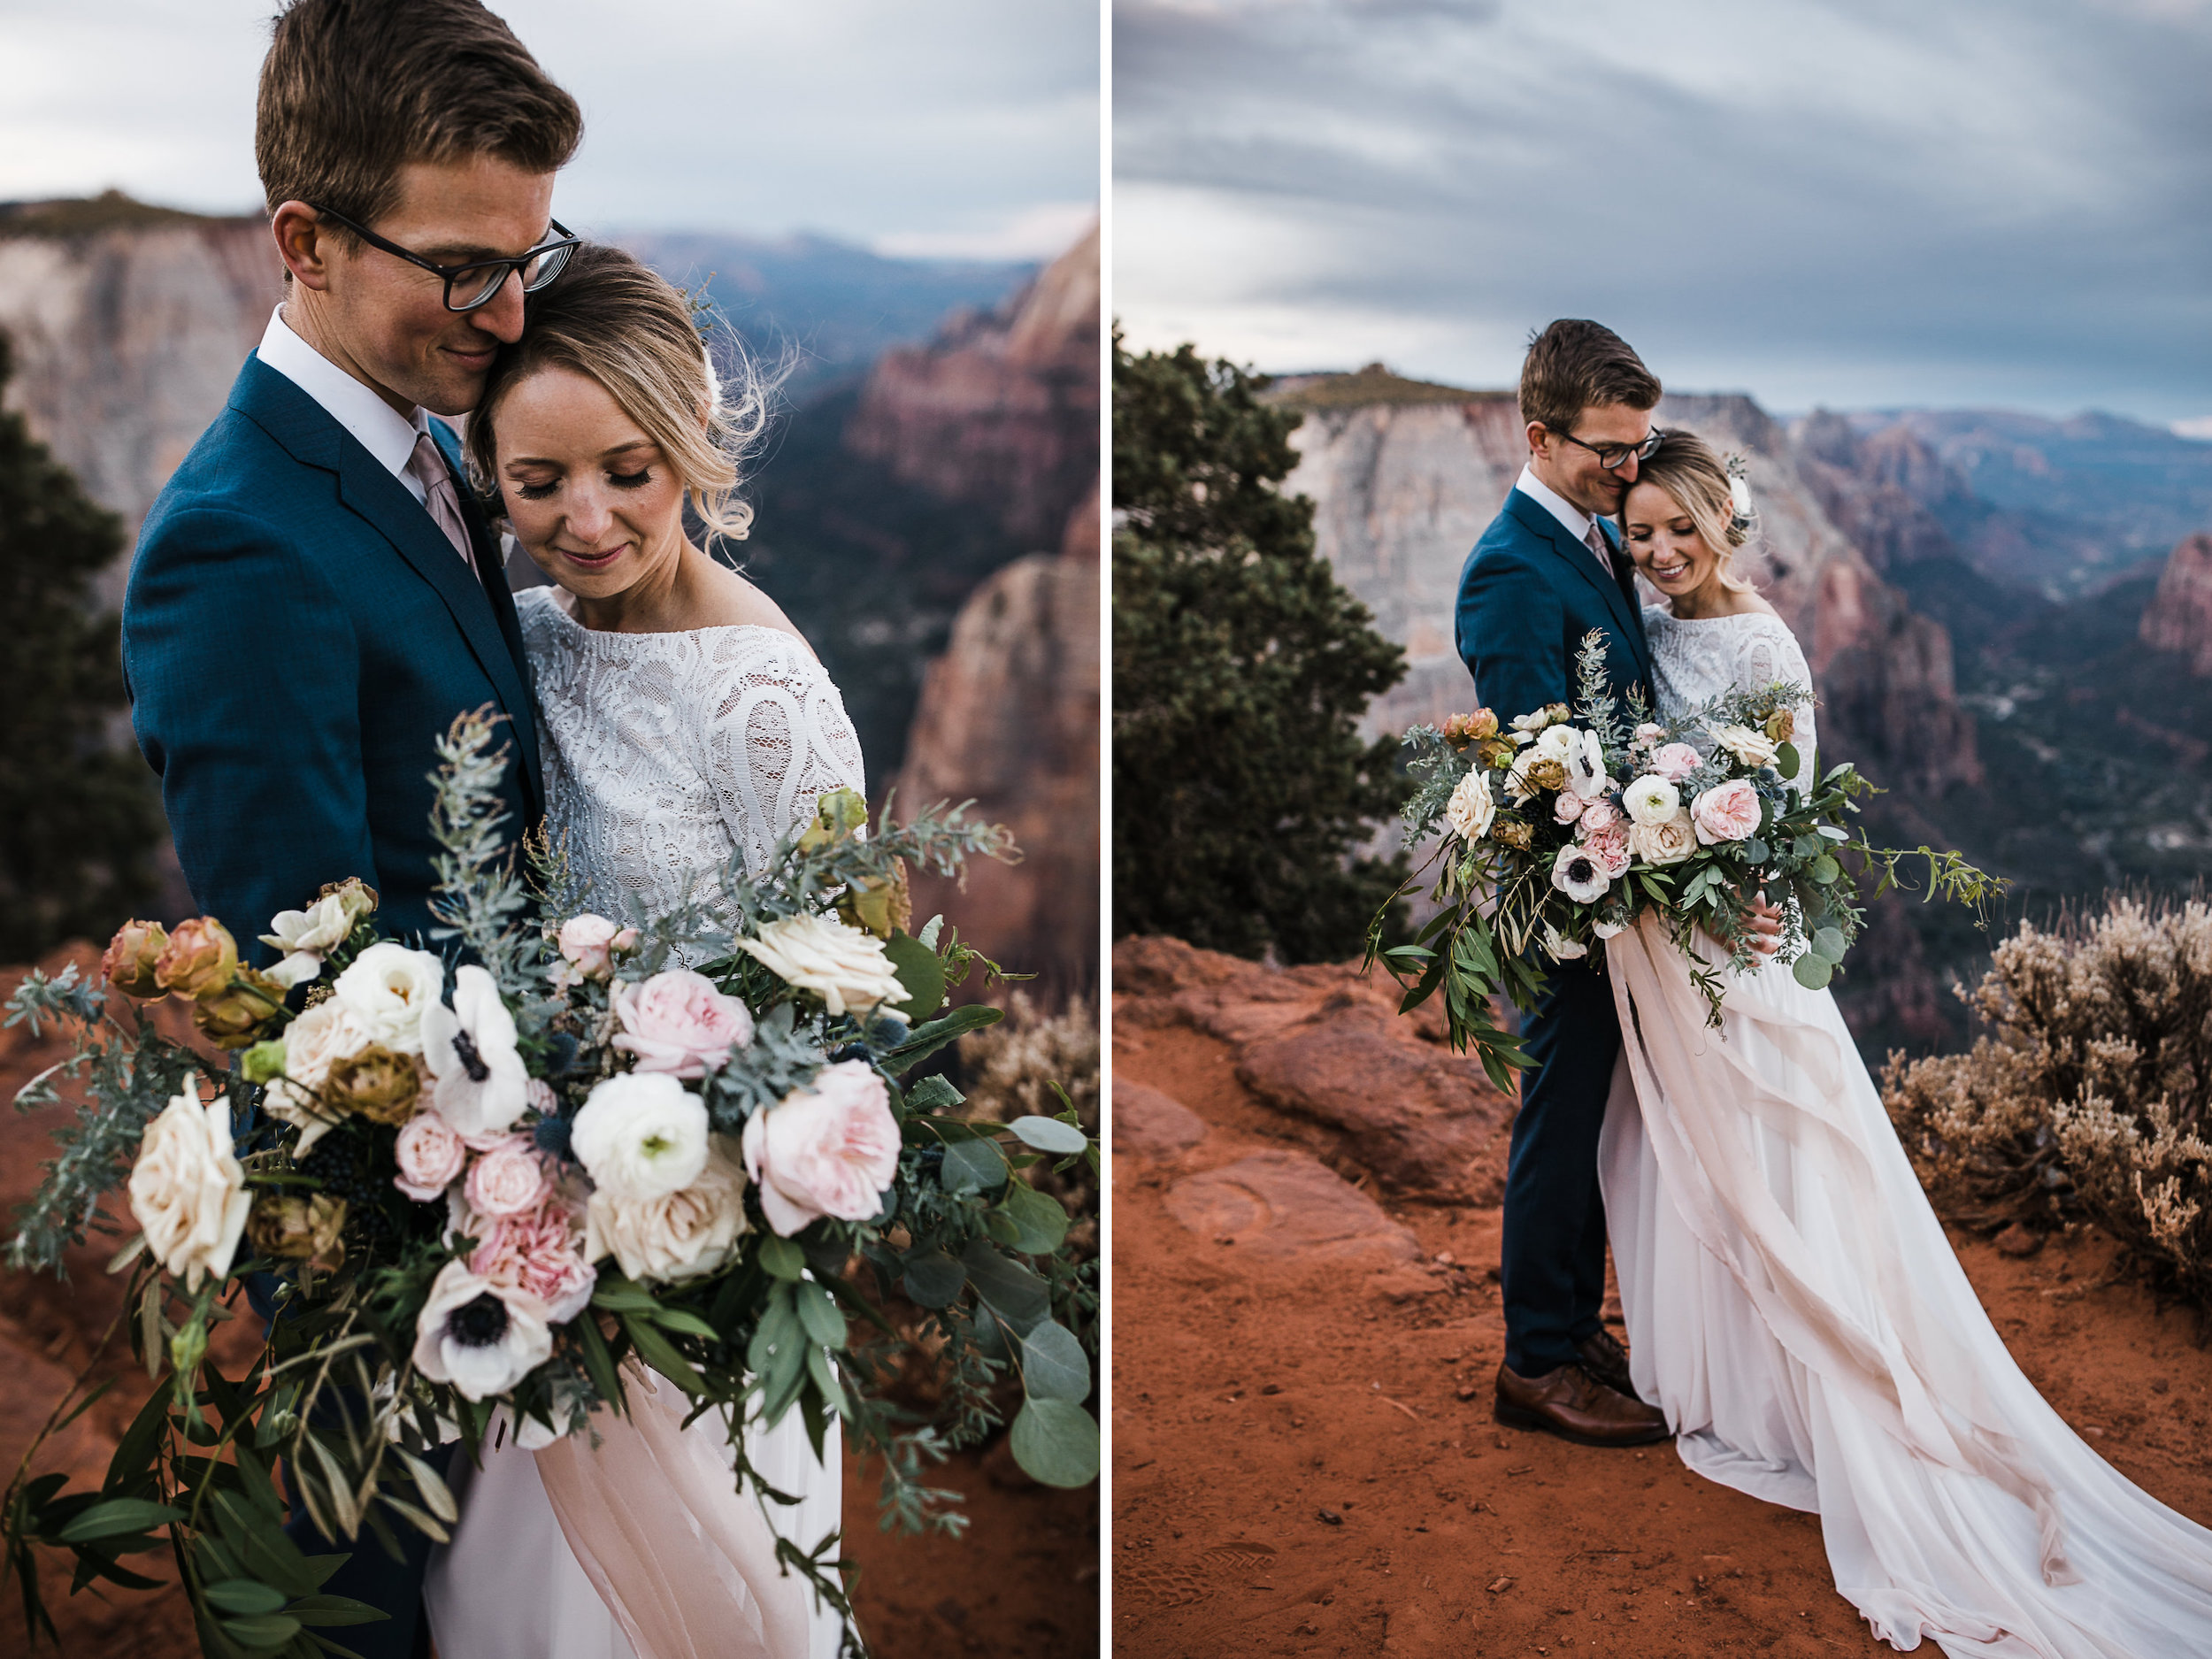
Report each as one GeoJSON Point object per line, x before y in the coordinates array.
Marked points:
{"type": "Point", "coordinates": [2179, 618]}
{"type": "Point", "coordinates": [1001, 409]}
{"type": "Point", "coordinates": [130, 324]}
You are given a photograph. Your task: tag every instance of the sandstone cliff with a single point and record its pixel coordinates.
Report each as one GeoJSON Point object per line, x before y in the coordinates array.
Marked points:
{"type": "Point", "coordinates": [1009, 716]}
{"type": "Point", "coordinates": [1404, 482]}
{"type": "Point", "coordinates": [129, 323]}
{"type": "Point", "coordinates": [1001, 409]}
{"type": "Point", "coordinates": [2179, 618]}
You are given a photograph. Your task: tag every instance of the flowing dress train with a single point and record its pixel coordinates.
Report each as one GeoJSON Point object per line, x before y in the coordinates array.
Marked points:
{"type": "Point", "coordinates": [1794, 1307]}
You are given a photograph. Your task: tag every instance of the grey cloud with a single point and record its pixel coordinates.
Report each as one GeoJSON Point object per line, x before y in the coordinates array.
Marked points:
{"type": "Point", "coordinates": [1980, 202]}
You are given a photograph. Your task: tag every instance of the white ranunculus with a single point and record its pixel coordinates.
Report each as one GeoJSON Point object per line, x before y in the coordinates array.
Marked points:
{"type": "Point", "coordinates": [1753, 749]}
{"type": "Point", "coordinates": [318, 1039]}
{"type": "Point", "coordinates": [1580, 874]}
{"type": "Point", "coordinates": [641, 1135]}
{"type": "Point", "coordinates": [1667, 843]}
{"type": "Point", "coordinates": [388, 986]}
{"type": "Point", "coordinates": [306, 937]}
{"type": "Point", "coordinates": [1562, 949]}
{"type": "Point", "coordinates": [676, 1235]}
{"type": "Point", "coordinates": [482, 1337]}
{"type": "Point", "coordinates": [482, 1086]}
{"type": "Point", "coordinates": [1472, 806]}
{"type": "Point", "coordinates": [1556, 742]}
{"type": "Point", "coordinates": [844, 966]}
{"type": "Point", "coordinates": [1651, 799]}
{"type": "Point", "coordinates": [187, 1189]}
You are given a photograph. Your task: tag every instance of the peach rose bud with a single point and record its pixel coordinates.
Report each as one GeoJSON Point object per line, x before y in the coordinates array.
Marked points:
{"type": "Point", "coordinates": [132, 956]}
{"type": "Point", "coordinates": [198, 960]}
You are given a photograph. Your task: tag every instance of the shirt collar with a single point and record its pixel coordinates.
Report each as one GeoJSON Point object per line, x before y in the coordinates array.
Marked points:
{"type": "Point", "coordinates": [386, 434]}
{"type": "Point", "coordinates": [1576, 522]}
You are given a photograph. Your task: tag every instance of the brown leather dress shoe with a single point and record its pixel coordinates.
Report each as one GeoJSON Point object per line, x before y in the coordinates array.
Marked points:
{"type": "Point", "coordinates": [1575, 1406]}
{"type": "Point", "coordinates": [1607, 1361]}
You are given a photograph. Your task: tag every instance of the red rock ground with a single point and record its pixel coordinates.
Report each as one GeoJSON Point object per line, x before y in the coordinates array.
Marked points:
{"type": "Point", "coordinates": [1304, 1461]}
{"type": "Point", "coordinates": [1024, 1581]}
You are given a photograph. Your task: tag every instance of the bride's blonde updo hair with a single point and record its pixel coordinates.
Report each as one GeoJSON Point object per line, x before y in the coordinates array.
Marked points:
{"type": "Point", "coordinates": [611, 317]}
{"type": "Point", "coordinates": [1689, 470]}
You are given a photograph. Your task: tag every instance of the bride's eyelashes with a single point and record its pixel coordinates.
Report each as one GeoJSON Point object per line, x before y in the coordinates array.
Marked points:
{"type": "Point", "coordinates": [637, 480]}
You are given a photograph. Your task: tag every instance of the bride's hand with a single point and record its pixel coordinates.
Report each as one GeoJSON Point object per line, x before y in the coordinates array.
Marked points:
{"type": "Point", "coordinates": [1765, 928]}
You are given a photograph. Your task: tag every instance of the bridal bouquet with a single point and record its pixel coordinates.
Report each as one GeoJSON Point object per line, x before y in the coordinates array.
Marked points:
{"type": "Point", "coordinates": [482, 1189]}
{"type": "Point", "coordinates": [1565, 829]}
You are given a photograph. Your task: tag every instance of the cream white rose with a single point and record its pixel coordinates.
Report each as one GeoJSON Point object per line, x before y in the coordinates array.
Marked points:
{"type": "Point", "coordinates": [318, 1039]}
{"type": "Point", "coordinates": [641, 1135]}
{"type": "Point", "coordinates": [1651, 799]}
{"type": "Point", "coordinates": [1667, 843]}
{"type": "Point", "coordinates": [1472, 805]}
{"type": "Point", "coordinates": [387, 986]}
{"type": "Point", "coordinates": [677, 1235]}
{"type": "Point", "coordinates": [187, 1189]}
{"type": "Point", "coordinates": [1753, 749]}
{"type": "Point", "coordinates": [844, 965]}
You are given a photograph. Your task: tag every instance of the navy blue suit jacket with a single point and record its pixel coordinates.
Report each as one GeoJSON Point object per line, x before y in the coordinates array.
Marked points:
{"type": "Point", "coordinates": [1528, 593]}
{"type": "Point", "coordinates": [296, 635]}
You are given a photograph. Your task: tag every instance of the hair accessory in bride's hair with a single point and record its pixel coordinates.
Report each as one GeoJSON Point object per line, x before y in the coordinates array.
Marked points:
{"type": "Point", "coordinates": [1739, 493]}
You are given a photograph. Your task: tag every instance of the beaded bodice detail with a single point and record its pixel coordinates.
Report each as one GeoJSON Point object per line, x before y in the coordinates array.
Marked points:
{"type": "Point", "coordinates": [666, 752]}
{"type": "Point", "coordinates": [1695, 659]}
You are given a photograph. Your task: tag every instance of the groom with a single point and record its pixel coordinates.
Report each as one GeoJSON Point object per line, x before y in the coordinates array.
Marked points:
{"type": "Point", "coordinates": [315, 596]}
{"type": "Point", "coordinates": [1548, 572]}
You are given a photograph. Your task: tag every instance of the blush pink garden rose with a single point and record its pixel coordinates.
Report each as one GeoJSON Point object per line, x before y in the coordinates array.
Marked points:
{"type": "Point", "coordinates": [678, 1022]}
{"type": "Point", "coordinates": [507, 1179]}
{"type": "Point", "coordinates": [540, 1251]}
{"type": "Point", "coordinates": [1609, 846]}
{"type": "Point", "coordinates": [1600, 814]}
{"type": "Point", "coordinates": [588, 943]}
{"type": "Point", "coordinates": [1675, 761]}
{"type": "Point", "coordinates": [830, 1150]}
{"type": "Point", "coordinates": [430, 1155]}
{"type": "Point", "coordinates": [1727, 812]}
{"type": "Point", "coordinates": [1568, 806]}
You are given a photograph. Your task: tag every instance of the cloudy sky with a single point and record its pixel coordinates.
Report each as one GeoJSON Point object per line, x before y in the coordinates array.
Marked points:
{"type": "Point", "coordinates": [1854, 203]}
{"type": "Point", "coordinates": [968, 128]}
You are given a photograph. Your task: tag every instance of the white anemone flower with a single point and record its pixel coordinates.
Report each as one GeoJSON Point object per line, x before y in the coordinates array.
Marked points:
{"type": "Point", "coordinates": [1586, 765]}
{"type": "Point", "coordinates": [480, 1337]}
{"type": "Point", "coordinates": [1580, 873]}
{"type": "Point", "coordinates": [483, 1085]}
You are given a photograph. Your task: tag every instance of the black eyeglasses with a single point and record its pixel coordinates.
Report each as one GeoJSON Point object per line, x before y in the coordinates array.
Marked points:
{"type": "Point", "coordinates": [474, 284]}
{"type": "Point", "coordinates": [1612, 455]}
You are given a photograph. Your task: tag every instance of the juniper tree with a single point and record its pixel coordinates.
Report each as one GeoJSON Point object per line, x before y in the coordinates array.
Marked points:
{"type": "Point", "coordinates": [1241, 786]}
{"type": "Point", "coordinates": [79, 819]}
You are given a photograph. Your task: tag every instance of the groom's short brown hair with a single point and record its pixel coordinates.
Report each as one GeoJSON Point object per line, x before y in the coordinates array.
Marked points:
{"type": "Point", "coordinates": [1576, 365]}
{"type": "Point", "coordinates": [353, 90]}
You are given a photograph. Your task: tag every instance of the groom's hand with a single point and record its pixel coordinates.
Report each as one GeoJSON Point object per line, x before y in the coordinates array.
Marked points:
{"type": "Point", "coordinates": [1765, 928]}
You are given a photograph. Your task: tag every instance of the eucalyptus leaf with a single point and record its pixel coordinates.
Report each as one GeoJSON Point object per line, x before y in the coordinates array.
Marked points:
{"type": "Point", "coordinates": [1813, 972]}
{"type": "Point", "coordinates": [972, 1166]}
{"type": "Point", "coordinates": [1054, 1365]}
{"type": "Point", "coordinates": [1039, 1221]}
{"type": "Point", "coordinates": [819, 1314]}
{"type": "Point", "coordinates": [1055, 1441]}
{"type": "Point", "coordinates": [1017, 1296]}
{"type": "Point", "coordinates": [1829, 944]}
{"type": "Point", "coordinates": [1050, 1134]}
{"type": "Point", "coordinates": [782, 1258]}
{"type": "Point", "coordinates": [932, 1279]}
{"type": "Point", "coordinates": [1826, 870]}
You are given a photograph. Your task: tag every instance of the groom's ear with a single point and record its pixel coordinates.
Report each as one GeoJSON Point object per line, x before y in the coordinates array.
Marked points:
{"type": "Point", "coordinates": [1539, 438]}
{"type": "Point", "coordinates": [303, 243]}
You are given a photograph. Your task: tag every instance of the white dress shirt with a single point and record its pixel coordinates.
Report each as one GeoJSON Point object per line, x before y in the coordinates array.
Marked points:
{"type": "Point", "coordinates": [382, 431]}
{"type": "Point", "coordinates": [1576, 522]}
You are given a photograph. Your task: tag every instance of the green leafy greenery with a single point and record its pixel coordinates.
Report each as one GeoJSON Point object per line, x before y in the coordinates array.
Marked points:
{"type": "Point", "coordinates": [1241, 786]}
{"type": "Point", "coordinates": [79, 819]}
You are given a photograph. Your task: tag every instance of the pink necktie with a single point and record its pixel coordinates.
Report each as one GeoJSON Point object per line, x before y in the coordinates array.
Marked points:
{"type": "Point", "coordinates": [440, 499]}
{"type": "Point", "coordinates": [1594, 542]}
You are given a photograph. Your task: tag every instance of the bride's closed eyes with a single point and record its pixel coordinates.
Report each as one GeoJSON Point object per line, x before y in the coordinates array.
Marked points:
{"type": "Point", "coordinates": [540, 490]}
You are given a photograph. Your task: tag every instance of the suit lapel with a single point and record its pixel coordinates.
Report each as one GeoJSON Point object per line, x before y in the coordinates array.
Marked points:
{"type": "Point", "coordinates": [380, 501]}
{"type": "Point", "coordinates": [1532, 516]}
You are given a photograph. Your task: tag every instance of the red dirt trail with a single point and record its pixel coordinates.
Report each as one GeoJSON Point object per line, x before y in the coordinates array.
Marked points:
{"type": "Point", "coordinates": [1253, 1401]}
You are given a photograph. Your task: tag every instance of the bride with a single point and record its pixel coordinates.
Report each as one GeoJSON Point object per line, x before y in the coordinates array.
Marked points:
{"type": "Point", "coordinates": [1793, 1305]}
{"type": "Point", "coordinates": [685, 718]}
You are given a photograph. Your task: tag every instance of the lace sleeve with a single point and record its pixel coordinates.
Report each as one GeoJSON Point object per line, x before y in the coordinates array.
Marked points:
{"type": "Point", "coordinates": [777, 740]}
{"type": "Point", "coordinates": [1771, 653]}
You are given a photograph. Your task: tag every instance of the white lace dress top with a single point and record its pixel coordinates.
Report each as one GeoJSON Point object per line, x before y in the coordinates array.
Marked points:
{"type": "Point", "coordinates": [1693, 659]}
{"type": "Point", "coordinates": [666, 752]}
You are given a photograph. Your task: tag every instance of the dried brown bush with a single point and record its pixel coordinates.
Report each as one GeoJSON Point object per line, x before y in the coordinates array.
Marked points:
{"type": "Point", "coordinates": [2091, 1098]}
{"type": "Point", "coordinates": [1011, 1067]}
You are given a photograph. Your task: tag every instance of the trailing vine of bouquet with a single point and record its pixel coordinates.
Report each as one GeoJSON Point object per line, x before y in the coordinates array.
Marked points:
{"type": "Point", "coordinates": [479, 1189]}
{"type": "Point", "coordinates": [1571, 826]}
